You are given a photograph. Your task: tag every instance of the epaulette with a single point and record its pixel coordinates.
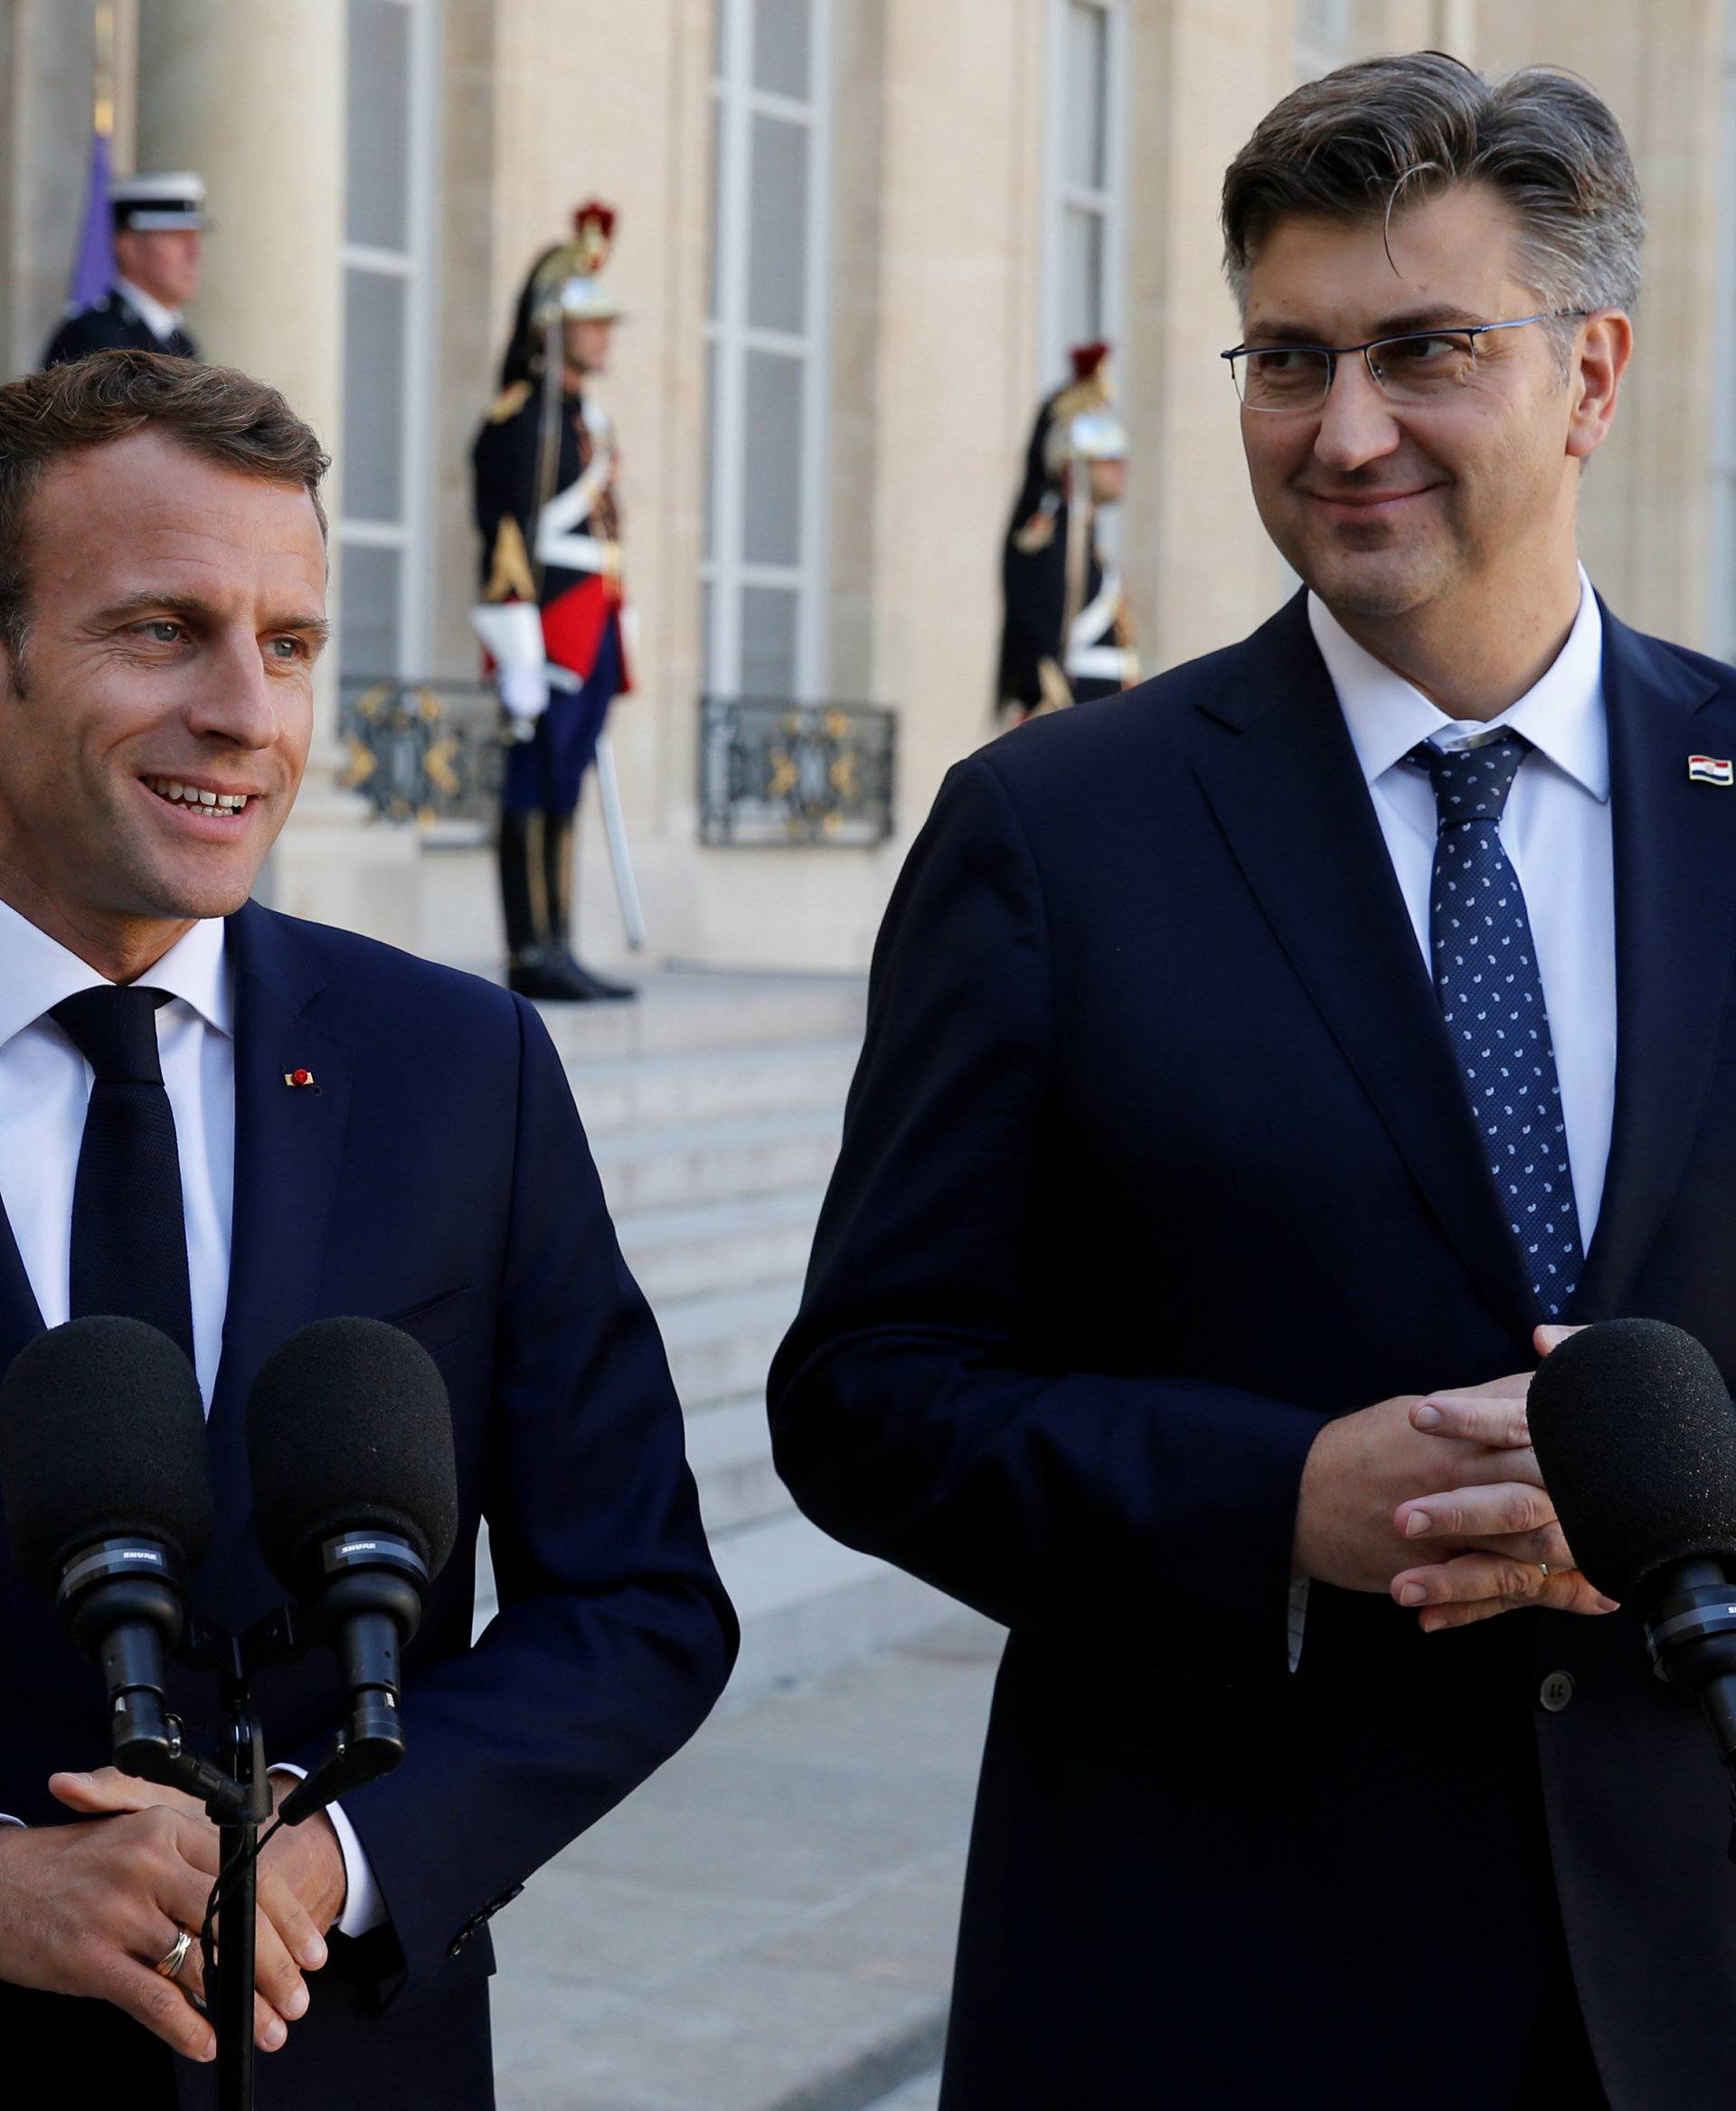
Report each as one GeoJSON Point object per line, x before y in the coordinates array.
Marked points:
{"type": "Point", "coordinates": [509, 402]}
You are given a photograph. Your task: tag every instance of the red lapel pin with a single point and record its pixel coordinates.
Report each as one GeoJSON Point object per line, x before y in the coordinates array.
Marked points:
{"type": "Point", "coordinates": [298, 1079]}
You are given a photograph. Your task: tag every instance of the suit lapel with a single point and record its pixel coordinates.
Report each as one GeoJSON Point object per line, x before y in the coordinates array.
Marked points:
{"type": "Point", "coordinates": [287, 1143]}
{"type": "Point", "coordinates": [1675, 928]}
{"type": "Point", "coordinates": [1288, 792]}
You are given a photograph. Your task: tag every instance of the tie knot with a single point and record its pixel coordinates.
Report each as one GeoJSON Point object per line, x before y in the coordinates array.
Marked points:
{"type": "Point", "coordinates": [1472, 784]}
{"type": "Point", "coordinates": [114, 1029]}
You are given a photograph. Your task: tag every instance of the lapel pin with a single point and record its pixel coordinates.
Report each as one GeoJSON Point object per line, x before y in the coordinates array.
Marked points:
{"type": "Point", "coordinates": [300, 1079]}
{"type": "Point", "coordinates": [1707, 770]}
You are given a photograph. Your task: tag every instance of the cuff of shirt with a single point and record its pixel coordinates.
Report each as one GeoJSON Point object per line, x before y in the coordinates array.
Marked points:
{"type": "Point", "coordinates": [363, 1908]}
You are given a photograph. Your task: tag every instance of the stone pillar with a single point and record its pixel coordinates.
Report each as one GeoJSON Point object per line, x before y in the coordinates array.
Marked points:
{"type": "Point", "coordinates": [1199, 565]}
{"type": "Point", "coordinates": [252, 97]}
{"type": "Point", "coordinates": [1648, 509]}
{"type": "Point", "coordinates": [47, 87]}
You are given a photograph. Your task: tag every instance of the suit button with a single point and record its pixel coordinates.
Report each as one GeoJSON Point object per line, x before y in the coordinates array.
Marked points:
{"type": "Point", "coordinates": [1556, 1691]}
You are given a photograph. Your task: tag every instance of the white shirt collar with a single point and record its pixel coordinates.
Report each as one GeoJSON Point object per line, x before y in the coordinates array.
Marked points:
{"type": "Point", "coordinates": [36, 971]}
{"type": "Point", "coordinates": [1563, 715]}
{"type": "Point", "coordinates": [162, 323]}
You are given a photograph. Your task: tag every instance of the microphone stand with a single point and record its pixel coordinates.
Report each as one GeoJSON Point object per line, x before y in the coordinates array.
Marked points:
{"type": "Point", "coordinates": [1692, 1638]}
{"type": "Point", "coordinates": [237, 1796]}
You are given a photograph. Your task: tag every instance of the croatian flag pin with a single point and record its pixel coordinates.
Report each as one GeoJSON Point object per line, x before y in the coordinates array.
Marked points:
{"type": "Point", "coordinates": [1707, 770]}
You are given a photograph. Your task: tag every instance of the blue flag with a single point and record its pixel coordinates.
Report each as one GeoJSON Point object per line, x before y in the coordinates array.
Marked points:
{"type": "Point", "coordinates": [93, 273]}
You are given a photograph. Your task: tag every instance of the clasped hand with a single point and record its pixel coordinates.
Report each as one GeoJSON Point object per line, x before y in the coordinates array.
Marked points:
{"type": "Point", "coordinates": [1438, 1499]}
{"type": "Point", "coordinates": [88, 1908]}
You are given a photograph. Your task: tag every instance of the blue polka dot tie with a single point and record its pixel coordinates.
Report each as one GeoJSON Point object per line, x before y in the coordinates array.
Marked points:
{"type": "Point", "coordinates": [1492, 995]}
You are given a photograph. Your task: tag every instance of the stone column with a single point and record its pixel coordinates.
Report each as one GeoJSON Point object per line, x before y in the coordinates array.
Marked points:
{"type": "Point", "coordinates": [47, 85]}
{"type": "Point", "coordinates": [1648, 510]}
{"type": "Point", "coordinates": [1198, 562]}
{"type": "Point", "coordinates": [252, 97]}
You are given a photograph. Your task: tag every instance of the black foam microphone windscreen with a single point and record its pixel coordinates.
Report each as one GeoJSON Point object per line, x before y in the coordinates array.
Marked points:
{"type": "Point", "coordinates": [1635, 1436]}
{"type": "Point", "coordinates": [348, 1428]}
{"type": "Point", "coordinates": [102, 1437]}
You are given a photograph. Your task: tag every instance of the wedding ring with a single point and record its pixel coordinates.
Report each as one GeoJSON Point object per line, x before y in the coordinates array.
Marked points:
{"type": "Point", "coordinates": [1544, 1567]}
{"type": "Point", "coordinates": [171, 1964]}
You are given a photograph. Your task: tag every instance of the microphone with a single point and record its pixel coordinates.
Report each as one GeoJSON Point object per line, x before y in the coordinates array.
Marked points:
{"type": "Point", "coordinates": [106, 1493]}
{"type": "Point", "coordinates": [349, 1436]}
{"type": "Point", "coordinates": [1634, 1430]}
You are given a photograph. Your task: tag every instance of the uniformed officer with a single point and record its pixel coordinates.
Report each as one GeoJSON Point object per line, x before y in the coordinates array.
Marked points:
{"type": "Point", "coordinates": [552, 607]}
{"type": "Point", "coordinates": [1068, 636]}
{"type": "Point", "coordinates": [158, 224]}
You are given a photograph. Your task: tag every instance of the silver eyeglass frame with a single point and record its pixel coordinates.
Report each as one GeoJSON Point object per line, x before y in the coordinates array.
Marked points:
{"type": "Point", "coordinates": [1333, 354]}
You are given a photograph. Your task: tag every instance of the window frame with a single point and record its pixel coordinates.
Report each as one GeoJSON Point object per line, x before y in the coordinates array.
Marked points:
{"type": "Point", "coordinates": [1108, 204]}
{"type": "Point", "coordinates": [730, 338]}
{"type": "Point", "coordinates": [416, 267]}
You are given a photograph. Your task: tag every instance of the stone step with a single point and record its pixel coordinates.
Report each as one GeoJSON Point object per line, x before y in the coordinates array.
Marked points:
{"type": "Point", "coordinates": [721, 1245]}
{"type": "Point", "coordinates": [700, 1162]}
{"type": "Point", "coordinates": [706, 1085]}
{"type": "Point", "coordinates": [722, 1346]}
{"type": "Point", "coordinates": [923, 2094]}
{"type": "Point", "coordinates": [729, 1448]}
{"type": "Point", "coordinates": [808, 1605]}
{"type": "Point", "coordinates": [691, 1009]}
{"type": "Point", "coordinates": [769, 1923]}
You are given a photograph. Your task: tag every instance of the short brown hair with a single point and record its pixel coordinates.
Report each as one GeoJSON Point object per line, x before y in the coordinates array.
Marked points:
{"type": "Point", "coordinates": [1371, 138]}
{"type": "Point", "coordinates": [214, 412]}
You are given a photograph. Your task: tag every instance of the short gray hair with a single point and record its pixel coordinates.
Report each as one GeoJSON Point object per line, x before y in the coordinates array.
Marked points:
{"type": "Point", "coordinates": [1370, 138]}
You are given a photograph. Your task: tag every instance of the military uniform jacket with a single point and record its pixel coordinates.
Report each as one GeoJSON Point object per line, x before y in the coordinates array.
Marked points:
{"type": "Point", "coordinates": [112, 325]}
{"type": "Point", "coordinates": [567, 557]}
{"type": "Point", "coordinates": [1039, 669]}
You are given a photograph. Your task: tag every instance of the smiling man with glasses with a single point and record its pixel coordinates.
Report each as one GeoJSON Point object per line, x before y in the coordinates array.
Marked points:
{"type": "Point", "coordinates": [1292, 985]}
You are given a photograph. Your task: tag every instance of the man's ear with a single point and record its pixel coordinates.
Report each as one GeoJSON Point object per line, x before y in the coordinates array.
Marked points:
{"type": "Point", "coordinates": [1599, 362]}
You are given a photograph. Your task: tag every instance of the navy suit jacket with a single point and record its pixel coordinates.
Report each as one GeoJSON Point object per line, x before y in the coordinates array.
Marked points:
{"type": "Point", "coordinates": [437, 1178]}
{"type": "Point", "coordinates": [1157, 1157]}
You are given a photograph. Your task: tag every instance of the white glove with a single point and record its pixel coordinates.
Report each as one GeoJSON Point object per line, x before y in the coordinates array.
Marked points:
{"type": "Point", "coordinates": [524, 692]}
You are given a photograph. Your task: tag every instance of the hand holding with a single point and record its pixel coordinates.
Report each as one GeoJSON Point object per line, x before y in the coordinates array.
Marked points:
{"type": "Point", "coordinates": [299, 1896]}
{"type": "Point", "coordinates": [1510, 1551]}
{"type": "Point", "coordinates": [90, 1909]}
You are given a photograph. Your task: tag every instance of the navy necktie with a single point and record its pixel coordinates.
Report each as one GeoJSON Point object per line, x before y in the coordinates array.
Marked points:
{"type": "Point", "coordinates": [129, 1236]}
{"type": "Point", "coordinates": [1492, 995]}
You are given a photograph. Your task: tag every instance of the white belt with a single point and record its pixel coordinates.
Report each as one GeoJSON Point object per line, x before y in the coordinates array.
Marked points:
{"type": "Point", "coordinates": [1103, 663]}
{"type": "Point", "coordinates": [1093, 621]}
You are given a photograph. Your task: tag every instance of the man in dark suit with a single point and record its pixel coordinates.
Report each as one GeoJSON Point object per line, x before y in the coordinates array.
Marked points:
{"type": "Point", "coordinates": [159, 231]}
{"type": "Point", "coordinates": [353, 1132]}
{"type": "Point", "coordinates": [1198, 1111]}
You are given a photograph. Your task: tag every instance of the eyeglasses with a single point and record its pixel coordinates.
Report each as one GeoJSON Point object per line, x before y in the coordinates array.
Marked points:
{"type": "Point", "coordinates": [1424, 366]}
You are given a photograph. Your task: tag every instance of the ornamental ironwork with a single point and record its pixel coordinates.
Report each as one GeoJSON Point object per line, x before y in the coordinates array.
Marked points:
{"type": "Point", "coordinates": [775, 773]}
{"type": "Point", "coordinates": [422, 752]}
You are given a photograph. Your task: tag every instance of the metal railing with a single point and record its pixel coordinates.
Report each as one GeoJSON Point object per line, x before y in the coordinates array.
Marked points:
{"type": "Point", "coordinates": [773, 773]}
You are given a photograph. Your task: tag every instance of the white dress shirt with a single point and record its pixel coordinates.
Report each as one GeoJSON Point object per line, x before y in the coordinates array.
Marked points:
{"type": "Point", "coordinates": [161, 322]}
{"type": "Point", "coordinates": [44, 1091]}
{"type": "Point", "coordinates": [1556, 830]}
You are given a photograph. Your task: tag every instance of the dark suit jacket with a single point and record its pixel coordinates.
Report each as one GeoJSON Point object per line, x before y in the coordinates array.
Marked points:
{"type": "Point", "coordinates": [437, 1178]}
{"type": "Point", "coordinates": [1157, 1157]}
{"type": "Point", "coordinates": [112, 325]}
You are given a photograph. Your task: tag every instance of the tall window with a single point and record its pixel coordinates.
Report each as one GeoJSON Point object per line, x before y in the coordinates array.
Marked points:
{"type": "Point", "coordinates": [1085, 238]}
{"type": "Point", "coordinates": [387, 335]}
{"type": "Point", "coordinates": [1322, 37]}
{"type": "Point", "coordinates": [765, 337]}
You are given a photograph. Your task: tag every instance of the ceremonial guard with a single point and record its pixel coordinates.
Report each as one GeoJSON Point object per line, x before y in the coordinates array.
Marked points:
{"type": "Point", "coordinates": [1068, 636]}
{"type": "Point", "coordinates": [158, 221]}
{"type": "Point", "coordinates": [552, 607]}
